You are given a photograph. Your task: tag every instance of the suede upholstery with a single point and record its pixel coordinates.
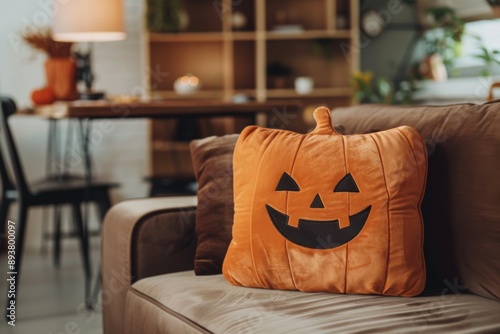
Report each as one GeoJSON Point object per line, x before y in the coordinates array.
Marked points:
{"type": "Point", "coordinates": [140, 238]}
{"type": "Point", "coordinates": [461, 217]}
{"type": "Point", "coordinates": [461, 207]}
{"type": "Point", "coordinates": [213, 164]}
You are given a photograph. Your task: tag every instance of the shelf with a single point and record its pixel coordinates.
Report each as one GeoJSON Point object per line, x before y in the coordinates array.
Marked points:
{"type": "Point", "coordinates": [243, 35]}
{"type": "Point", "coordinates": [202, 94]}
{"type": "Point", "coordinates": [310, 14]}
{"type": "Point", "coordinates": [249, 92]}
{"type": "Point", "coordinates": [308, 34]}
{"type": "Point", "coordinates": [202, 36]}
{"type": "Point", "coordinates": [317, 92]}
{"type": "Point", "coordinates": [246, 36]}
{"type": "Point", "coordinates": [186, 37]}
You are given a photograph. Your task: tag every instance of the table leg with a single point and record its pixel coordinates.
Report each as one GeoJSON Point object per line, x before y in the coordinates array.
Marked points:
{"type": "Point", "coordinates": [85, 126]}
{"type": "Point", "coordinates": [51, 172]}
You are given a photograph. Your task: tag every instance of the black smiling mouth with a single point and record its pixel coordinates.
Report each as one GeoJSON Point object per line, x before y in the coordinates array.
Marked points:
{"type": "Point", "coordinates": [318, 234]}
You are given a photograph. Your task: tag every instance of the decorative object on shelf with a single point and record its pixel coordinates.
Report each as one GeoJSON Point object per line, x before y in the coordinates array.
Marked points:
{"type": "Point", "coordinates": [324, 47]}
{"type": "Point", "coordinates": [241, 98]}
{"type": "Point", "coordinates": [447, 40]}
{"type": "Point", "coordinates": [183, 20]}
{"type": "Point", "coordinates": [163, 16]}
{"type": "Point", "coordinates": [432, 67]}
{"type": "Point", "coordinates": [60, 68]}
{"type": "Point", "coordinates": [289, 28]}
{"type": "Point", "coordinates": [238, 20]}
{"type": "Point", "coordinates": [367, 90]}
{"type": "Point", "coordinates": [186, 85]}
{"type": "Point", "coordinates": [372, 23]}
{"type": "Point", "coordinates": [278, 74]}
{"type": "Point", "coordinates": [281, 17]}
{"type": "Point", "coordinates": [283, 26]}
{"type": "Point", "coordinates": [490, 57]}
{"type": "Point", "coordinates": [342, 22]}
{"type": "Point", "coordinates": [495, 7]}
{"type": "Point", "coordinates": [304, 85]}
{"type": "Point", "coordinates": [89, 21]}
{"type": "Point", "coordinates": [43, 96]}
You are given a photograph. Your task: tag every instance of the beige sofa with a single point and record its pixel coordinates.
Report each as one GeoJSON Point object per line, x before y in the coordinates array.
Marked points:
{"type": "Point", "coordinates": [149, 245]}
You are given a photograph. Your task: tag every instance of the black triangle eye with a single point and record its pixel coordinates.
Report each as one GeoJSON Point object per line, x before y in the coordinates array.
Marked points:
{"type": "Point", "coordinates": [287, 183]}
{"type": "Point", "coordinates": [347, 184]}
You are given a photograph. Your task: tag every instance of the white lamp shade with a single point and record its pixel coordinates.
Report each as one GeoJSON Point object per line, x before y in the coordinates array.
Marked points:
{"type": "Point", "coordinates": [89, 21]}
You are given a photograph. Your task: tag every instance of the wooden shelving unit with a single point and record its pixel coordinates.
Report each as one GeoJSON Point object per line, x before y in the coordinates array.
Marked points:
{"type": "Point", "coordinates": [229, 61]}
{"type": "Point", "coordinates": [212, 50]}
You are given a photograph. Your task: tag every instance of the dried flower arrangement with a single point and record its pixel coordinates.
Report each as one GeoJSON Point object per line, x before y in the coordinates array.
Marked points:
{"type": "Point", "coordinates": [42, 40]}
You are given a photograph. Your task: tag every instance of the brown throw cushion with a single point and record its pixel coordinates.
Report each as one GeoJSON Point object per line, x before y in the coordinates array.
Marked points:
{"type": "Point", "coordinates": [213, 166]}
{"type": "Point", "coordinates": [461, 206]}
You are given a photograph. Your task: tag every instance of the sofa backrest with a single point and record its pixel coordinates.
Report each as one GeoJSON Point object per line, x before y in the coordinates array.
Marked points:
{"type": "Point", "coordinates": [461, 206]}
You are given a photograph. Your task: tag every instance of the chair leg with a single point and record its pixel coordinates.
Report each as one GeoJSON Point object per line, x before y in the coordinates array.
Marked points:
{"type": "Point", "coordinates": [104, 204]}
{"type": "Point", "coordinates": [20, 225]}
{"type": "Point", "coordinates": [4, 211]}
{"type": "Point", "coordinates": [57, 236]}
{"type": "Point", "coordinates": [84, 245]}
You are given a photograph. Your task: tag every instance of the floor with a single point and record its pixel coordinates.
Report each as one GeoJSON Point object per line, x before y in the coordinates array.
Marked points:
{"type": "Point", "coordinates": [51, 299]}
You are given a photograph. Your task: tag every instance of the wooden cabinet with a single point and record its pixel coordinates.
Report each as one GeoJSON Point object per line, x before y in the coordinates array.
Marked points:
{"type": "Point", "coordinates": [312, 38]}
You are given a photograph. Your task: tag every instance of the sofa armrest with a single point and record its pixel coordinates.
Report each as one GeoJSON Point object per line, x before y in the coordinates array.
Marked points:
{"type": "Point", "coordinates": [142, 238]}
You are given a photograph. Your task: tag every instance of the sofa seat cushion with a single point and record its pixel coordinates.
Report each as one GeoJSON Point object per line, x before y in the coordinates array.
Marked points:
{"type": "Point", "coordinates": [185, 303]}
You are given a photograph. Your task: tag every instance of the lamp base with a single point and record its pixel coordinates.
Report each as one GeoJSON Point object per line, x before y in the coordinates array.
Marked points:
{"type": "Point", "coordinates": [90, 95]}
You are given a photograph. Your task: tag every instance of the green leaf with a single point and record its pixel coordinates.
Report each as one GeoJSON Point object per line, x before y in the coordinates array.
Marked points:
{"type": "Point", "coordinates": [485, 73]}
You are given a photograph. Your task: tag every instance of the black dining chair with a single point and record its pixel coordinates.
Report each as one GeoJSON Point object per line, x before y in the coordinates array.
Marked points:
{"type": "Point", "coordinates": [49, 192]}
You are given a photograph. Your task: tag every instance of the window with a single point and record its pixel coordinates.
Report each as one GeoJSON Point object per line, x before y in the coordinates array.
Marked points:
{"type": "Point", "coordinates": [489, 32]}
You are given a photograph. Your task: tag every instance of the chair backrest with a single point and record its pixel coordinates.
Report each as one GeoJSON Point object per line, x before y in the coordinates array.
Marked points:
{"type": "Point", "coordinates": [8, 107]}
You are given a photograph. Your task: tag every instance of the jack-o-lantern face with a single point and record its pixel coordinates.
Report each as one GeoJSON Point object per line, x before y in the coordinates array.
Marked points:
{"type": "Point", "coordinates": [309, 231]}
{"type": "Point", "coordinates": [328, 212]}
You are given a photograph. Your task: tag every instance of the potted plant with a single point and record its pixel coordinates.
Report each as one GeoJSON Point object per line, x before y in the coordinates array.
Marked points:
{"type": "Point", "coordinates": [60, 67]}
{"type": "Point", "coordinates": [368, 90]}
{"type": "Point", "coordinates": [277, 74]}
{"type": "Point", "coordinates": [163, 16]}
{"type": "Point", "coordinates": [443, 43]}
{"type": "Point", "coordinates": [490, 57]}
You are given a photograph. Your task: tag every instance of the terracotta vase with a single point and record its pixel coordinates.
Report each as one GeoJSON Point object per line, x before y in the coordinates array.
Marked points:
{"type": "Point", "coordinates": [432, 67]}
{"type": "Point", "coordinates": [61, 77]}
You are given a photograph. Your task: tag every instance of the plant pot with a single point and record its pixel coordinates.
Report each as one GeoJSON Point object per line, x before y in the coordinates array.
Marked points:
{"type": "Point", "coordinates": [278, 82]}
{"type": "Point", "coordinates": [61, 77]}
{"type": "Point", "coordinates": [433, 68]}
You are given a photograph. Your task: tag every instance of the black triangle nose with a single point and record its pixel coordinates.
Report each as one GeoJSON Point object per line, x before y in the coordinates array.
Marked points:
{"type": "Point", "coordinates": [317, 203]}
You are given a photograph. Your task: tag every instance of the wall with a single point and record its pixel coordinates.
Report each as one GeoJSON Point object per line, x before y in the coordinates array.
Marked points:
{"type": "Point", "coordinates": [120, 155]}
{"type": "Point", "coordinates": [384, 53]}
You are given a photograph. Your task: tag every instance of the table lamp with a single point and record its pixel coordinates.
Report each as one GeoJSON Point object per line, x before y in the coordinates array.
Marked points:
{"type": "Point", "coordinates": [89, 21]}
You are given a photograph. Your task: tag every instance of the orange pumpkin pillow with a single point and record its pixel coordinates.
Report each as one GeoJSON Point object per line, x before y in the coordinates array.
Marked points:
{"type": "Point", "coordinates": [326, 212]}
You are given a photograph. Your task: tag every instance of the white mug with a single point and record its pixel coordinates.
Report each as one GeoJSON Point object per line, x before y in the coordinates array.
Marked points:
{"type": "Point", "coordinates": [304, 85]}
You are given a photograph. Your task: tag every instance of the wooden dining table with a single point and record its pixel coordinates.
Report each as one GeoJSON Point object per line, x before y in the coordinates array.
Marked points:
{"type": "Point", "coordinates": [161, 109]}
{"type": "Point", "coordinates": [277, 113]}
